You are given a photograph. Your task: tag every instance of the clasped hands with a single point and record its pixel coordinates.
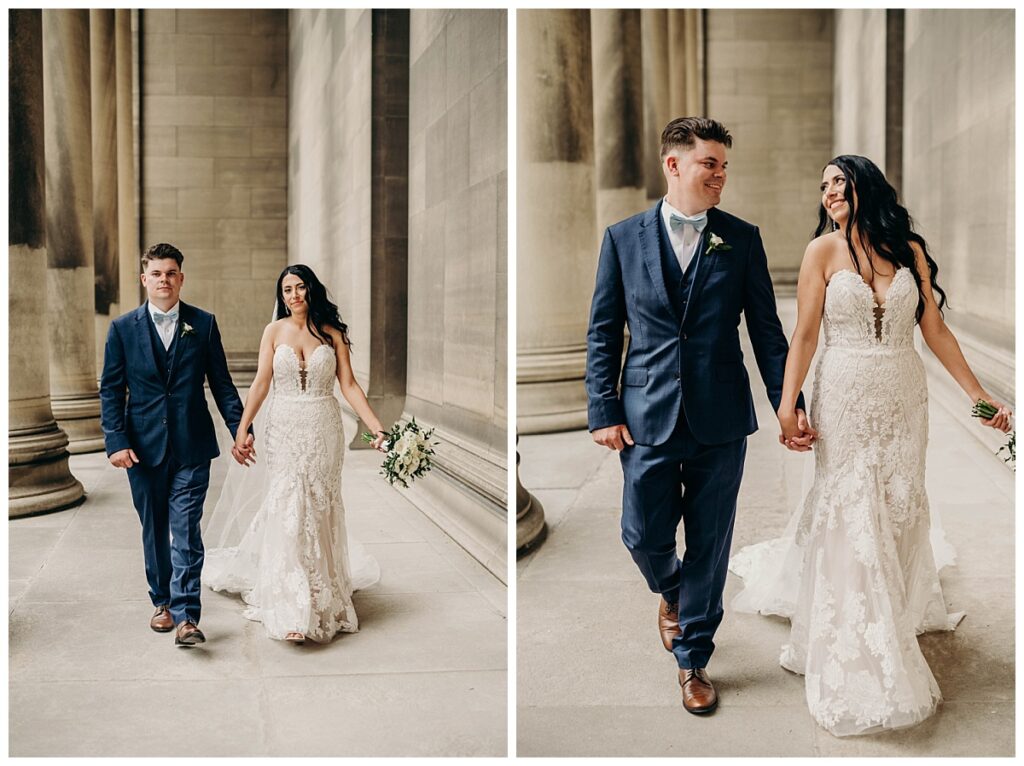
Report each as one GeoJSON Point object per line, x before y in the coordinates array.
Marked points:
{"type": "Point", "coordinates": [243, 450]}
{"type": "Point", "coordinates": [797, 434]}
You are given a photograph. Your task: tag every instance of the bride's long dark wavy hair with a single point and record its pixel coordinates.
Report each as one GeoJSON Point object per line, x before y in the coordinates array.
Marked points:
{"type": "Point", "coordinates": [322, 313]}
{"type": "Point", "coordinates": [884, 226]}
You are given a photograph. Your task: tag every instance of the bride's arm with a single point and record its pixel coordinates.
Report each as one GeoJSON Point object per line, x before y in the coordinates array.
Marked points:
{"type": "Point", "coordinates": [260, 384]}
{"type": "Point", "coordinates": [810, 303]}
{"type": "Point", "coordinates": [351, 389]}
{"type": "Point", "coordinates": [943, 344]}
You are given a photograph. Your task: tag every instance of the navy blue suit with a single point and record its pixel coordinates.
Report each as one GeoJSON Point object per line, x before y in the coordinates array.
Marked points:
{"type": "Point", "coordinates": [153, 402]}
{"type": "Point", "coordinates": [685, 397]}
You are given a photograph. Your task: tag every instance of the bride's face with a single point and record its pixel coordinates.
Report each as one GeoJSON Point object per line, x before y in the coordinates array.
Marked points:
{"type": "Point", "coordinates": [293, 289]}
{"type": "Point", "coordinates": [833, 194]}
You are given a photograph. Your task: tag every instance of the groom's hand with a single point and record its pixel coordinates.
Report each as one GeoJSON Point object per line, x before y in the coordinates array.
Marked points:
{"type": "Point", "coordinates": [245, 453]}
{"type": "Point", "coordinates": [125, 458]}
{"type": "Point", "coordinates": [613, 437]}
{"type": "Point", "coordinates": [797, 434]}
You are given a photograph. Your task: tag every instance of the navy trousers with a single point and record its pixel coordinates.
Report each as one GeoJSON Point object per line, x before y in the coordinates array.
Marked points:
{"type": "Point", "coordinates": [684, 480]}
{"type": "Point", "coordinates": [169, 499]}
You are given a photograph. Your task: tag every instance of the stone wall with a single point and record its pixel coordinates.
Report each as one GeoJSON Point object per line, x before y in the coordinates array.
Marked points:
{"type": "Point", "coordinates": [858, 106]}
{"type": "Point", "coordinates": [959, 126]}
{"type": "Point", "coordinates": [213, 141]}
{"type": "Point", "coordinates": [769, 79]}
{"type": "Point", "coordinates": [329, 154]}
{"type": "Point", "coordinates": [458, 266]}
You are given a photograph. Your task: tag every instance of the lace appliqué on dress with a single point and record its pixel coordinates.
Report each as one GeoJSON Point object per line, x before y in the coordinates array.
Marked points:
{"type": "Point", "coordinates": [292, 566]}
{"type": "Point", "coordinates": [855, 571]}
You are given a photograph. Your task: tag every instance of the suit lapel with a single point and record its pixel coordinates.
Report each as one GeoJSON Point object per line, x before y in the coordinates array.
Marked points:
{"type": "Point", "coordinates": [650, 248]}
{"type": "Point", "coordinates": [707, 260]}
{"type": "Point", "coordinates": [184, 314]}
{"type": "Point", "coordinates": [142, 320]}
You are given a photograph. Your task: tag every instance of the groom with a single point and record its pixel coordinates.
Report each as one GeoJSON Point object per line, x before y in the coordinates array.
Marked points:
{"type": "Point", "coordinates": [680, 275]}
{"type": "Point", "coordinates": [156, 425]}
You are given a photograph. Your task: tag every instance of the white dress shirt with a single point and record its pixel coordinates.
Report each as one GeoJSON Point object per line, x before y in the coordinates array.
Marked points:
{"type": "Point", "coordinates": [166, 330]}
{"type": "Point", "coordinates": [684, 242]}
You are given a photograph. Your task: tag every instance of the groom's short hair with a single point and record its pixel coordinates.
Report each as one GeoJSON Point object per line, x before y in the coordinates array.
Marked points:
{"type": "Point", "coordinates": [684, 132]}
{"type": "Point", "coordinates": [160, 251]}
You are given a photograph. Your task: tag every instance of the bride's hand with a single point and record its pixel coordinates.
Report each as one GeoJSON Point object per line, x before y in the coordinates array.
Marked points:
{"type": "Point", "coordinates": [243, 450]}
{"type": "Point", "coordinates": [1001, 420]}
{"type": "Point", "coordinates": [793, 436]}
{"type": "Point", "coordinates": [378, 443]}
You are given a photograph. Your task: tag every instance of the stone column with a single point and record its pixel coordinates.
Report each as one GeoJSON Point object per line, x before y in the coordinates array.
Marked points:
{"type": "Point", "coordinates": [37, 449]}
{"type": "Point", "coordinates": [70, 279]}
{"type": "Point", "coordinates": [618, 115]}
{"type": "Point", "coordinates": [389, 216]}
{"type": "Point", "coordinates": [557, 249]}
{"type": "Point", "coordinates": [102, 56]}
{"type": "Point", "coordinates": [128, 250]}
{"type": "Point", "coordinates": [685, 62]}
{"type": "Point", "coordinates": [657, 105]}
{"type": "Point", "coordinates": [531, 530]}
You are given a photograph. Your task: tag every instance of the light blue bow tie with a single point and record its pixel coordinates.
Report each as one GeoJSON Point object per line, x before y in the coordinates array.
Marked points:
{"type": "Point", "coordinates": [677, 221]}
{"type": "Point", "coordinates": [162, 319]}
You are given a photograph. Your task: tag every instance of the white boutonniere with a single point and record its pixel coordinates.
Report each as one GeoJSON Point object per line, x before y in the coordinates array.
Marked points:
{"type": "Point", "coordinates": [716, 243]}
{"type": "Point", "coordinates": [186, 330]}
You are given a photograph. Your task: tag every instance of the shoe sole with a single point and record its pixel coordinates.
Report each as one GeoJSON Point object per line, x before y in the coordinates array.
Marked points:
{"type": "Point", "coordinates": [188, 642]}
{"type": "Point", "coordinates": [701, 710]}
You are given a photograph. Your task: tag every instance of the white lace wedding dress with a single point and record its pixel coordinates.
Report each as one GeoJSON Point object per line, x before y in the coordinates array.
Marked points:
{"type": "Point", "coordinates": [292, 563]}
{"type": "Point", "coordinates": [855, 571]}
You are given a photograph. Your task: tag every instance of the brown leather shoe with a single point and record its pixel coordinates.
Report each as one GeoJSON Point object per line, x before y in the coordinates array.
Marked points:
{"type": "Point", "coordinates": [161, 621]}
{"type": "Point", "coordinates": [668, 622]}
{"type": "Point", "coordinates": [188, 634]}
{"type": "Point", "coordinates": [699, 696]}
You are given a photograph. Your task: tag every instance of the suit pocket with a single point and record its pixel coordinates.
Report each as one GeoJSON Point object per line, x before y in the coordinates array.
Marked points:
{"type": "Point", "coordinates": [634, 376]}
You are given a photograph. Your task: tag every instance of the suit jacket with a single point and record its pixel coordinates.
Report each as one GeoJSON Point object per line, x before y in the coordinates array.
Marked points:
{"type": "Point", "coordinates": [684, 358]}
{"type": "Point", "coordinates": [153, 408]}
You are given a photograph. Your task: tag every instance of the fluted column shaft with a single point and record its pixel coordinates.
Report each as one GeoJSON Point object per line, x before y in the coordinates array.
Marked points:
{"type": "Point", "coordinates": [685, 62]}
{"type": "Point", "coordinates": [618, 115]}
{"type": "Point", "coordinates": [657, 106]}
{"type": "Point", "coordinates": [129, 266]}
{"type": "Point", "coordinates": [103, 85]}
{"type": "Point", "coordinates": [70, 281]}
{"type": "Point", "coordinates": [37, 449]}
{"type": "Point", "coordinates": [556, 217]}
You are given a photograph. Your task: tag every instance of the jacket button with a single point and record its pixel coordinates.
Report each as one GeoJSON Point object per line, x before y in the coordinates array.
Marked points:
{"type": "Point", "coordinates": [164, 421]}
{"type": "Point", "coordinates": [684, 336]}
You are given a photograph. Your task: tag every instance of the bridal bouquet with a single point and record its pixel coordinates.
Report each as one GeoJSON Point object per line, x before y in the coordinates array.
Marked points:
{"type": "Point", "coordinates": [983, 409]}
{"type": "Point", "coordinates": [408, 452]}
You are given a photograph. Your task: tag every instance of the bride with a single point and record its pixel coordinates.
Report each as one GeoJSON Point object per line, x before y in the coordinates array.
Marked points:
{"type": "Point", "coordinates": [291, 564]}
{"type": "Point", "coordinates": [855, 570]}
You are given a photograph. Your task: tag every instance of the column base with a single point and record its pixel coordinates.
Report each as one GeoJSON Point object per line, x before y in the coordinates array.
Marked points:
{"type": "Point", "coordinates": [550, 393]}
{"type": "Point", "coordinates": [465, 495]}
{"type": "Point", "coordinates": [531, 530]}
{"type": "Point", "coordinates": [43, 486]}
{"type": "Point", "coordinates": [79, 418]}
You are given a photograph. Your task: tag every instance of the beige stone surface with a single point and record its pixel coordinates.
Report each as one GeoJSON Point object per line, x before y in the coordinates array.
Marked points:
{"type": "Point", "coordinates": [594, 680]}
{"type": "Point", "coordinates": [959, 113]}
{"type": "Point", "coordinates": [769, 75]}
{"type": "Point", "coordinates": [429, 661]}
{"type": "Point", "coordinates": [214, 110]}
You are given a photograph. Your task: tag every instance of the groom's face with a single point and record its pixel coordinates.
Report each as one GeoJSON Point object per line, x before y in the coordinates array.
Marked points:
{"type": "Point", "coordinates": [699, 173]}
{"type": "Point", "coordinates": [162, 280]}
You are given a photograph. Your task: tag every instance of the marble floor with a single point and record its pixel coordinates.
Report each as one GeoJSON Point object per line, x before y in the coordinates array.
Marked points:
{"type": "Point", "coordinates": [593, 678]}
{"type": "Point", "coordinates": [425, 676]}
